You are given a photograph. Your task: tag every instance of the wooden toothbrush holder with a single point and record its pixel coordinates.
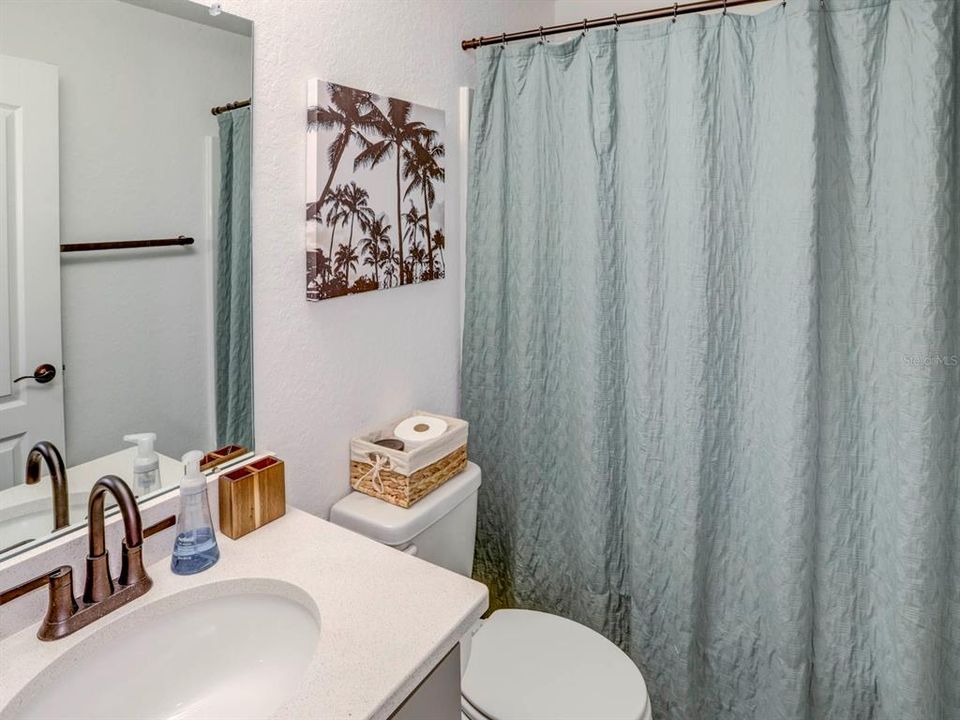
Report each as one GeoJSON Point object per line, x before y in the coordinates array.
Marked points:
{"type": "Point", "coordinates": [251, 496]}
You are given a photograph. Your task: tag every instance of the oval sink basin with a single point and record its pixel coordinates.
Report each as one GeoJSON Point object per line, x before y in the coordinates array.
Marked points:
{"type": "Point", "coordinates": [189, 656]}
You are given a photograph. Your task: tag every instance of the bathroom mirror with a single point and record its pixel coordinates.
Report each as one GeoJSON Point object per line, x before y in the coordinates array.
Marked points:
{"type": "Point", "coordinates": [124, 247]}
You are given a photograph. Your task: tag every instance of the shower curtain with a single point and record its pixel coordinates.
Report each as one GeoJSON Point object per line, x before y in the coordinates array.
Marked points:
{"type": "Point", "coordinates": [711, 350]}
{"type": "Point", "coordinates": [233, 304]}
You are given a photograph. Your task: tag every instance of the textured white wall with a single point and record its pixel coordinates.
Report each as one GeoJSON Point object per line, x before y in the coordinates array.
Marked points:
{"type": "Point", "coordinates": [325, 371]}
{"type": "Point", "coordinates": [136, 88]}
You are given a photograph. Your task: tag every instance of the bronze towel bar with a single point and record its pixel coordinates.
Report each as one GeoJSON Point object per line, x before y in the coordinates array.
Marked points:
{"type": "Point", "coordinates": [126, 244]}
{"type": "Point", "coordinates": [220, 109]}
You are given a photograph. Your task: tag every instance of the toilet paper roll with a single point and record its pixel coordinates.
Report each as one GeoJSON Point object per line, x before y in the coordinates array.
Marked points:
{"type": "Point", "coordinates": [420, 428]}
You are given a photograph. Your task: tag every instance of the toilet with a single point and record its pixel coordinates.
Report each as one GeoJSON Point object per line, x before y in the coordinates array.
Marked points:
{"type": "Point", "coordinates": [516, 664]}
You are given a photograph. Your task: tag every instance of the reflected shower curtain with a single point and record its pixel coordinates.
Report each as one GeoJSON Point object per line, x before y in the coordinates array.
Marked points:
{"type": "Point", "coordinates": [711, 352]}
{"type": "Point", "coordinates": [233, 311]}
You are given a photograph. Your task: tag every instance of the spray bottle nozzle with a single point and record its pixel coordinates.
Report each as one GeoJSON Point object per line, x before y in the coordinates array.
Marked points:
{"type": "Point", "coordinates": [192, 477]}
{"type": "Point", "coordinates": [146, 458]}
{"type": "Point", "coordinates": [192, 462]}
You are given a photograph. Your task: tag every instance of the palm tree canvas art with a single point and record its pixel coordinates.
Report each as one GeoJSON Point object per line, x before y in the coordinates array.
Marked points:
{"type": "Point", "coordinates": [375, 192]}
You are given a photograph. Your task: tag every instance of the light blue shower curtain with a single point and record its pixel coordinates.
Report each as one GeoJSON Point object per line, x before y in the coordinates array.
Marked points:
{"type": "Point", "coordinates": [711, 352]}
{"type": "Point", "coordinates": [233, 304]}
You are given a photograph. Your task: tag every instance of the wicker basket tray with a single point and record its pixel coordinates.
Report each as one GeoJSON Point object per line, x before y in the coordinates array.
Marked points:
{"type": "Point", "coordinates": [403, 477]}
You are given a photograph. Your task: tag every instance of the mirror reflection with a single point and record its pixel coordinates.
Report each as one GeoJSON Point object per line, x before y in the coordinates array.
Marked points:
{"type": "Point", "coordinates": [124, 250]}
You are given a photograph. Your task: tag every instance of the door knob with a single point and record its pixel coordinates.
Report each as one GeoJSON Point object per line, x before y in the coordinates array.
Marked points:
{"type": "Point", "coordinates": [43, 374]}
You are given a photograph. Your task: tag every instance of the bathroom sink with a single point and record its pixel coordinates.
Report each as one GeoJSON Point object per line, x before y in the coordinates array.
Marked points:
{"type": "Point", "coordinates": [228, 650]}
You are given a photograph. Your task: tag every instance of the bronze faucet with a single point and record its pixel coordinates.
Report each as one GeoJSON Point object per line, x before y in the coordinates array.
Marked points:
{"type": "Point", "coordinates": [99, 584]}
{"type": "Point", "coordinates": [101, 594]}
{"type": "Point", "coordinates": [46, 452]}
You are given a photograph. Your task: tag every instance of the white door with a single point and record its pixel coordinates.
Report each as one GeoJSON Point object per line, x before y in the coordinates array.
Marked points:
{"type": "Point", "coordinates": [29, 262]}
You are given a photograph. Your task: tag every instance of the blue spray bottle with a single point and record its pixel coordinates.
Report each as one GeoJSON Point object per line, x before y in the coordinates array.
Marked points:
{"type": "Point", "coordinates": [195, 548]}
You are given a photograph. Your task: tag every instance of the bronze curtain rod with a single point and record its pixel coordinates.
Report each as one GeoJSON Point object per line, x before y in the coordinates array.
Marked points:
{"type": "Point", "coordinates": [220, 109]}
{"type": "Point", "coordinates": [126, 244]}
{"type": "Point", "coordinates": [671, 11]}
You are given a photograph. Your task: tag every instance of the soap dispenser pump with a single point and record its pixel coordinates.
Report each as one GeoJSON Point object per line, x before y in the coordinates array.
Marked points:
{"type": "Point", "coordinates": [146, 466]}
{"type": "Point", "coordinates": [195, 548]}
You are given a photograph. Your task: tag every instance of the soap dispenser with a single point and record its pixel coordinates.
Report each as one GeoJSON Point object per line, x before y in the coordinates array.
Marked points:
{"type": "Point", "coordinates": [146, 466]}
{"type": "Point", "coordinates": [195, 548]}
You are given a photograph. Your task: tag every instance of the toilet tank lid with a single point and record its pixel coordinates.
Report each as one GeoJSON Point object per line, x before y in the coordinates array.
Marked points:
{"type": "Point", "coordinates": [392, 525]}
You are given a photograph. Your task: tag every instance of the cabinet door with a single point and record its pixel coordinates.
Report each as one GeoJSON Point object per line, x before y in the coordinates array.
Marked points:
{"type": "Point", "coordinates": [438, 696]}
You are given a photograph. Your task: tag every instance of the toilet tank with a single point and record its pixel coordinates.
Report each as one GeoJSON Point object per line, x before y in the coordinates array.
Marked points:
{"type": "Point", "coordinates": [441, 528]}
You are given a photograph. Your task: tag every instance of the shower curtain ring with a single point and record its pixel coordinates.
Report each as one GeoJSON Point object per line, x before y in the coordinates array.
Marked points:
{"type": "Point", "coordinates": [616, 23]}
{"type": "Point", "coordinates": [725, 7]}
{"type": "Point", "coordinates": [584, 27]}
{"type": "Point", "coordinates": [674, 12]}
{"type": "Point", "coordinates": [503, 40]}
{"type": "Point", "coordinates": [541, 35]}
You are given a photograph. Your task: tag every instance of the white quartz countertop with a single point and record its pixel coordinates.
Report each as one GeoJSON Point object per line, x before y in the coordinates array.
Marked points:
{"type": "Point", "coordinates": [386, 618]}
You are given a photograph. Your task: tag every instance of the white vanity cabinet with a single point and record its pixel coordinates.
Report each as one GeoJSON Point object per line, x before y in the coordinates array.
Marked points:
{"type": "Point", "coordinates": [438, 696]}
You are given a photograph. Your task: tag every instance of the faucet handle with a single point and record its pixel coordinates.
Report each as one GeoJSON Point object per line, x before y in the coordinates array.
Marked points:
{"type": "Point", "coordinates": [131, 563]}
{"type": "Point", "coordinates": [131, 566]}
{"type": "Point", "coordinates": [62, 604]}
{"type": "Point", "coordinates": [27, 586]}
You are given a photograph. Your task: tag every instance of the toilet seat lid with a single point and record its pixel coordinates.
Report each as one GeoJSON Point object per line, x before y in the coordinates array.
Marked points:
{"type": "Point", "coordinates": [526, 665]}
